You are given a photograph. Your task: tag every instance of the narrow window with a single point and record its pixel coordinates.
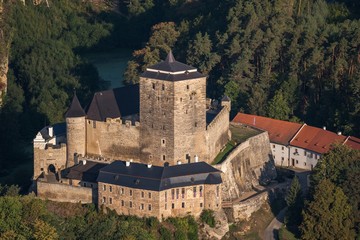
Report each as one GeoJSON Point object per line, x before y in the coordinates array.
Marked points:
{"type": "Point", "coordinates": [201, 205]}
{"type": "Point", "coordinates": [177, 193]}
{"type": "Point", "coordinates": [149, 194]}
{"type": "Point", "coordinates": [172, 194]}
{"type": "Point", "coordinates": [183, 193]}
{"type": "Point", "coordinates": [142, 194]}
{"type": "Point", "coordinates": [304, 163]}
{"type": "Point", "coordinates": [163, 157]}
{"type": "Point", "coordinates": [190, 97]}
{"type": "Point", "coordinates": [173, 206]}
{"type": "Point", "coordinates": [297, 162]}
{"type": "Point", "coordinates": [165, 206]}
{"type": "Point", "coordinates": [186, 111]}
{"type": "Point", "coordinates": [282, 148]}
{"type": "Point", "coordinates": [201, 191]}
{"type": "Point", "coordinates": [104, 200]}
{"type": "Point", "coordinates": [163, 142]}
{"type": "Point", "coordinates": [104, 187]}
{"type": "Point", "coordinates": [273, 145]}
{"type": "Point", "coordinates": [110, 200]}
{"type": "Point", "coordinates": [194, 191]}
{"type": "Point", "coordinates": [94, 124]}
{"type": "Point", "coordinates": [153, 85]}
{"type": "Point", "coordinates": [152, 125]}
{"type": "Point", "coordinates": [180, 99]}
{"type": "Point", "coordinates": [217, 191]}
{"type": "Point", "coordinates": [122, 191]}
{"type": "Point", "coordinates": [130, 204]}
{"type": "Point", "coordinates": [304, 153]}
{"type": "Point", "coordinates": [165, 196]}
{"type": "Point", "coordinates": [149, 207]}
{"type": "Point", "coordinates": [163, 87]}
{"type": "Point", "coordinates": [142, 206]}
{"type": "Point", "coordinates": [183, 205]}
{"type": "Point", "coordinates": [122, 203]}
{"type": "Point", "coordinates": [195, 124]}
{"type": "Point", "coordinates": [131, 192]}
{"type": "Point", "coordinates": [110, 188]}
{"type": "Point", "coordinates": [187, 87]}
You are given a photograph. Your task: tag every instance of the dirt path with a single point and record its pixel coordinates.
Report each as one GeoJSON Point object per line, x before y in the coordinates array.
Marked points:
{"type": "Point", "coordinates": [272, 231]}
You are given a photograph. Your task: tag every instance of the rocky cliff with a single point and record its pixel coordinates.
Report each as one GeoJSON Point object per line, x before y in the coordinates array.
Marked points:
{"type": "Point", "coordinates": [247, 165]}
{"type": "Point", "coordinates": [4, 50]}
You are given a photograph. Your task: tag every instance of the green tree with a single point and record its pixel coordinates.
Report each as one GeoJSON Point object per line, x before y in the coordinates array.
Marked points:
{"type": "Point", "coordinates": [278, 107]}
{"type": "Point", "coordinates": [294, 201]}
{"type": "Point", "coordinates": [328, 215]}
{"type": "Point", "coordinates": [44, 231]}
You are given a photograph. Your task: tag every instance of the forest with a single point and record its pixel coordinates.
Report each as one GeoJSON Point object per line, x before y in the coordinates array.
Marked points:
{"type": "Point", "coordinates": [296, 60]}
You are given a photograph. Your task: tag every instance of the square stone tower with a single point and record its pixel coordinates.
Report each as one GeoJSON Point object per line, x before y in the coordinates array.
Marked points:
{"type": "Point", "coordinates": [172, 113]}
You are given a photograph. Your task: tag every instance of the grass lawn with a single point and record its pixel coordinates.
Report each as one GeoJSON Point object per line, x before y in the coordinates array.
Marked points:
{"type": "Point", "coordinates": [240, 133]}
{"type": "Point", "coordinates": [223, 154]}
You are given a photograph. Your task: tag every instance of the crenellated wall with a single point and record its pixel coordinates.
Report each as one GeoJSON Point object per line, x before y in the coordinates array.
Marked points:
{"type": "Point", "coordinates": [217, 133]}
{"type": "Point", "coordinates": [113, 139]}
{"type": "Point", "coordinates": [246, 165]}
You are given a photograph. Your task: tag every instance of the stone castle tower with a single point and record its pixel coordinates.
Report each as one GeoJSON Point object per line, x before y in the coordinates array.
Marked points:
{"type": "Point", "coordinates": [75, 132]}
{"type": "Point", "coordinates": [172, 113]}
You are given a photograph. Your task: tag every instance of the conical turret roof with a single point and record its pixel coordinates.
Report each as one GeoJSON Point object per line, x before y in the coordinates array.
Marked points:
{"type": "Point", "coordinates": [75, 109]}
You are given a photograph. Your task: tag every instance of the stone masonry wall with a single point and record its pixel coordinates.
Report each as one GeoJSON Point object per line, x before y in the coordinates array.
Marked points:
{"type": "Point", "coordinates": [243, 210]}
{"type": "Point", "coordinates": [217, 133]}
{"type": "Point", "coordinates": [51, 155]}
{"type": "Point", "coordinates": [113, 139]}
{"type": "Point", "coordinates": [248, 163]}
{"type": "Point", "coordinates": [175, 202]}
{"type": "Point", "coordinates": [64, 193]}
{"type": "Point", "coordinates": [76, 139]}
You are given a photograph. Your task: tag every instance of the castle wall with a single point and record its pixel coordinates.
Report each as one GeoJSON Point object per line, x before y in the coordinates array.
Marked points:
{"type": "Point", "coordinates": [113, 139]}
{"type": "Point", "coordinates": [248, 163]}
{"type": "Point", "coordinates": [190, 120]}
{"type": "Point", "coordinates": [217, 133]}
{"type": "Point", "coordinates": [64, 193]}
{"type": "Point", "coordinates": [156, 117]}
{"type": "Point", "coordinates": [175, 202]}
{"type": "Point", "coordinates": [51, 155]}
{"type": "Point", "coordinates": [129, 201]}
{"type": "Point", "coordinates": [75, 135]}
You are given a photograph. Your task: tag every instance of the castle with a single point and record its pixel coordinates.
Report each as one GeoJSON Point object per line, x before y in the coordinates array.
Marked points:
{"type": "Point", "coordinates": [164, 130]}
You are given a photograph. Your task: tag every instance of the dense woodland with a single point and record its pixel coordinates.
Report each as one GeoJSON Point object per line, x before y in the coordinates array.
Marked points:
{"type": "Point", "coordinates": [289, 59]}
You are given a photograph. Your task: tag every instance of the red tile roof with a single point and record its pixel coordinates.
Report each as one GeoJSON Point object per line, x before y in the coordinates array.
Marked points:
{"type": "Point", "coordinates": [353, 142]}
{"type": "Point", "coordinates": [316, 139]}
{"type": "Point", "coordinates": [279, 131]}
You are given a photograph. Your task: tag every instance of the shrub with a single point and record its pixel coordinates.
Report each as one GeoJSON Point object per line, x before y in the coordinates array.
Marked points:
{"type": "Point", "coordinates": [207, 216]}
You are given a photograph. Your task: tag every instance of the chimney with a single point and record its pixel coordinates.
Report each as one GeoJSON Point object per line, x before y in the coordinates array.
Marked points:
{"type": "Point", "coordinates": [51, 131]}
{"type": "Point", "coordinates": [179, 162]}
{"type": "Point", "coordinates": [324, 127]}
{"type": "Point", "coordinates": [83, 162]}
{"type": "Point", "coordinates": [127, 163]}
{"type": "Point", "coordinates": [196, 158]}
{"type": "Point", "coordinates": [339, 133]}
{"type": "Point", "coordinates": [149, 165]}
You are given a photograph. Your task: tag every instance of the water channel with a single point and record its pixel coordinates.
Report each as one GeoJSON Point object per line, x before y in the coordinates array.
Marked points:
{"type": "Point", "coordinates": [111, 65]}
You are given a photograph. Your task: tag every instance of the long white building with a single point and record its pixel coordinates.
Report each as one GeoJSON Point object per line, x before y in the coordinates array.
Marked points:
{"type": "Point", "coordinates": [296, 145]}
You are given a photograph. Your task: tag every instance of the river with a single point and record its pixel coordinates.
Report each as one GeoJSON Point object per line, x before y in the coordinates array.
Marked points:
{"type": "Point", "coordinates": [111, 65]}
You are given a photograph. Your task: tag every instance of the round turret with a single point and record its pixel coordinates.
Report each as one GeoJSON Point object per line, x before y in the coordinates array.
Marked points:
{"type": "Point", "coordinates": [75, 132]}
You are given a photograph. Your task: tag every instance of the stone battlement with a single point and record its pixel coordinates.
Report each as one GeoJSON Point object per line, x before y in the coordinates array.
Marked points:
{"type": "Point", "coordinates": [218, 118]}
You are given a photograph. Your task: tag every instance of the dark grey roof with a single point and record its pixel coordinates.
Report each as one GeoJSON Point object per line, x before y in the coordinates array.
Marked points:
{"type": "Point", "coordinates": [157, 178]}
{"type": "Point", "coordinates": [171, 70]}
{"type": "Point", "coordinates": [88, 172]}
{"type": "Point", "coordinates": [59, 129]}
{"type": "Point", "coordinates": [114, 103]}
{"type": "Point", "coordinates": [75, 109]}
{"type": "Point", "coordinates": [226, 98]}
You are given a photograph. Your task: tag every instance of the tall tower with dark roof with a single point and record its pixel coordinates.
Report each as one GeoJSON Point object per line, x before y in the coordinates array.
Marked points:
{"type": "Point", "coordinates": [172, 113]}
{"type": "Point", "coordinates": [75, 131]}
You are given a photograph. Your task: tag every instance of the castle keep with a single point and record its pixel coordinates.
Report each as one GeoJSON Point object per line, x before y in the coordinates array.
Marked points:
{"type": "Point", "coordinates": [165, 124]}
